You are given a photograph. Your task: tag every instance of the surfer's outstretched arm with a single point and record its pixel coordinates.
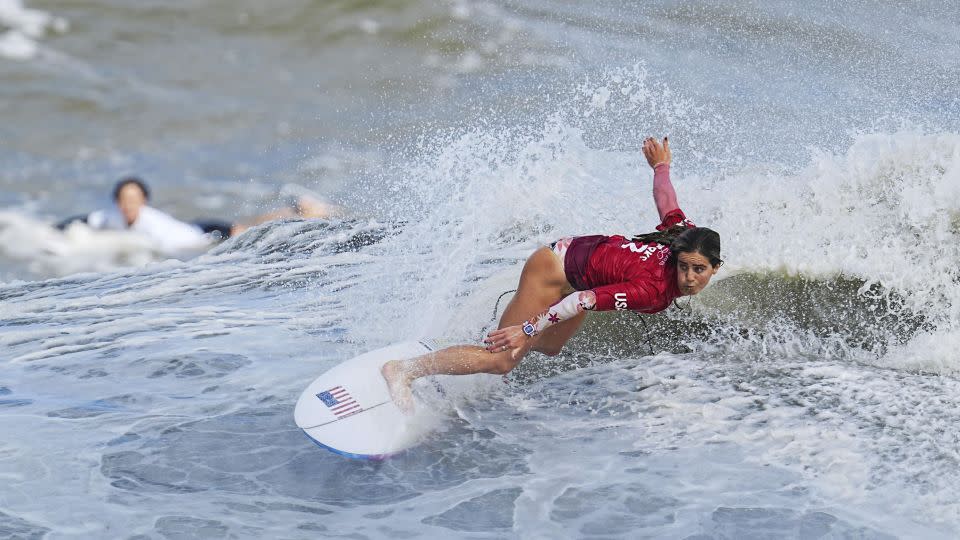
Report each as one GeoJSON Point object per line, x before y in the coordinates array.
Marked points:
{"type": "Point", "coordinates": [518, 337]}
{"type": "Point", "coordinates": [658, 156]}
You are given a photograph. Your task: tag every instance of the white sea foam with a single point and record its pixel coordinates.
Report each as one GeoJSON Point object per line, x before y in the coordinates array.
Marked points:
{"type": "Point", "coordinates": [885, 212]}
{"type": "Point", "coordinates": [17, 46]}
{"type": "Point", "coordinates": [876, 213]}
{"type": "Point", "coordinates": [26, 27]}
{"type": "Point", "coordinates": [78, 248]}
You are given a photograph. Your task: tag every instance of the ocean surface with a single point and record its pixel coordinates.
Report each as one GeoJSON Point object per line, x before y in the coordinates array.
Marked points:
{"type": "Point", "coordinates": [811, 391]}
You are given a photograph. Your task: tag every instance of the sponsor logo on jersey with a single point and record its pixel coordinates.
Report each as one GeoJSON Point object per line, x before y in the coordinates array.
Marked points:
{"type": "Point", "coordinates": [646, 250]}
{"type": "Point", "coordinates": [663, 255]}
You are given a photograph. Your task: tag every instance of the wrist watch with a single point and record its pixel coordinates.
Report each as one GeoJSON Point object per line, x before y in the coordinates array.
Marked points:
{"type": "Point", "coordinates": [529, 329]}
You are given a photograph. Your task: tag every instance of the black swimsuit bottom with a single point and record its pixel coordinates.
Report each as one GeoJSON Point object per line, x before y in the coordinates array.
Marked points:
{"type": "Point", "coordinates": [215, 226]}
{"type": "Point", "coordinates": [208, 226]}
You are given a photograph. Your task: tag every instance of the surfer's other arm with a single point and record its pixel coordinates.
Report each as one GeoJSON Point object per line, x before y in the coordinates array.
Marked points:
{"type": "Point", "coordinates": [630, 295]}
{"type": "Point", "coordinates": [517, 336]}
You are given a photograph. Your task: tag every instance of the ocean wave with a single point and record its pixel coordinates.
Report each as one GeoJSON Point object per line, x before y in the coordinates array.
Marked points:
{"type": "Point", "coordinates": [835, 245]}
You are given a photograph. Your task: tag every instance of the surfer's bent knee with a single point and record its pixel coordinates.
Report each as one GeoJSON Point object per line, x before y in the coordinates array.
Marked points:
{"type": "Point", "coordinates": [549, 351]}
{"type": "Point", "coordinates": [503, 362]}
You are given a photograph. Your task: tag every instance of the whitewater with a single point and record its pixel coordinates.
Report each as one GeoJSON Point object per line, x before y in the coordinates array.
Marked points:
{"type": "Point", "coordinates": [811, 391]}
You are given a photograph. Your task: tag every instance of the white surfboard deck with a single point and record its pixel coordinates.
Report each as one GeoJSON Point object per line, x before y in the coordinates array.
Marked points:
{"type": "Point", "coordinates": [348, 409]}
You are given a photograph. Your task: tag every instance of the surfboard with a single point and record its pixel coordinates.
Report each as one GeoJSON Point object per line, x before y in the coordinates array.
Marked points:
{"type": "Point", "coordinates": [348, 409]}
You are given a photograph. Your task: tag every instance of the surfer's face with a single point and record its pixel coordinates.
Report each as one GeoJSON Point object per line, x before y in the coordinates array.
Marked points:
{"type": "Point", "coordinates": [130, 199]}
{"type": "Point", "coordinates": [693, 272]}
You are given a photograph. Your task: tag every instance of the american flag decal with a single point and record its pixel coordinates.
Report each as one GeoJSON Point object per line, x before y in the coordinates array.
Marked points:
{"type": "Point", "coordinates": [339, 401]}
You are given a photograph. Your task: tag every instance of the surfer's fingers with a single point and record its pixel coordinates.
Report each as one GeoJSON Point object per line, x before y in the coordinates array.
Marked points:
{"type": "Point", "coordinates": [499, 345]}
{"type": "Point", "coordinates": [506, 338]}
{"type": "Point", "coordinates": [496, 347]}
{"type": "Point", "coordinates": [494, 336]}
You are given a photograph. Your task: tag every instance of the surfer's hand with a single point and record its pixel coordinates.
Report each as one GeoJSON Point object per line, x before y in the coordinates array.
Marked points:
{"type": "Point", "coordinates": [655, 152]}
{"type": "Point", "coordinates": [504, 339]}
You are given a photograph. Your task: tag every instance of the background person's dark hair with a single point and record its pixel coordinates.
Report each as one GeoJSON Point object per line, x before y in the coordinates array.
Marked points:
{"type": "Point", "coordinates": [681, 239]}
{"type": "Point", "coordinates": [131, 180]}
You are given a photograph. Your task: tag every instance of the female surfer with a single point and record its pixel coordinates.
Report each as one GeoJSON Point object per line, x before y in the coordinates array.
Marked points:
{"type": "Point", "coordinates": [560, 283]}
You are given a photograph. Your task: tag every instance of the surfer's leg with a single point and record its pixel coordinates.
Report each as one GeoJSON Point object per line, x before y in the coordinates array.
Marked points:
{"type": "Point", "coordinates": [456, 360]}
{"type": "Point", "coordinates": [554, 338]}
{"type": "Point", "coordinates": [283, 213]}
{"type": "Point", "coordinates": [542, 283]}
{"type": "Point", "coordinates": [304, 207]}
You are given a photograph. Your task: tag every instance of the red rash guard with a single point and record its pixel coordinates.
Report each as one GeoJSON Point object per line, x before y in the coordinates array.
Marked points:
{"type": "Point", "coordinates": [624, 274]}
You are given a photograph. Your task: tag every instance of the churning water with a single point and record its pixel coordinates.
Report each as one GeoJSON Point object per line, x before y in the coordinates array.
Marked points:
{"type": "Point", "coordinates": [812, 392]}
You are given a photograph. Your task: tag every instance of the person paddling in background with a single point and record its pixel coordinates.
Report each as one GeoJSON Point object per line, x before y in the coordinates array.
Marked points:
{"type": "Point", "coordinates": [572, 276]}
{"type": "Point", "coordinates": [171, 235]}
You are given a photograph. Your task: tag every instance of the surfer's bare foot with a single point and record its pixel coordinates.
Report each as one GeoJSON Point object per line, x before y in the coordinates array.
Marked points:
{"type": "Point", "coordinates": [399, 385]}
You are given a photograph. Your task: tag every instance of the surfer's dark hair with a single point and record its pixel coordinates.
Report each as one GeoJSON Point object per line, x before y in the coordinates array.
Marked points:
{"type": "Point", "coordinates": [682, 239]}
{"type": "Point", "coordinates": [131, 180]}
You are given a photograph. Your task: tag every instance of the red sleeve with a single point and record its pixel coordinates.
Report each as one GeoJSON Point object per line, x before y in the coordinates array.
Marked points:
{"type": "Point", "coordinates": [664, 196]}
{"type": "Point", "coordinates": [638, 295]}
{"type": "Point", "coordinates": [675, 217]}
